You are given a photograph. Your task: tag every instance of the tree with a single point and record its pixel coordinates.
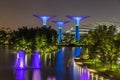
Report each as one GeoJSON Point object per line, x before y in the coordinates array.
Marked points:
{"type": "Point", "coordinates": [102, 43]}
{"type": "Point", "coordinates": [2, 36]}
{"type": "Point", "coordinates": [33, 38]}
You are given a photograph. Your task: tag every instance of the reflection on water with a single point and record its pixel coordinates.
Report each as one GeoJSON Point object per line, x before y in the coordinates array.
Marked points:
{"type": "Point", "coordinates": [36, 75]}
{"type": "Point", "coordinates": [51, 78]}
{"type": "Point", "coordinates": [77, 52]}
{"type": "Point", "coordinates": [20, 74]}
{"type": "Point", "coordinates": [62, 67]}
{"type": "Point", "coordinates": [74, 71]}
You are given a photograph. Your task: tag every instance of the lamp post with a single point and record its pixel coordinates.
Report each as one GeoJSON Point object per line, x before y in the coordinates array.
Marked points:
{"type": "Point", "coordinates": [44, 19]}
{"type": "Point", "coordinates": [77, 20]}
{"type": "Point", "coordinates": [60, 24]}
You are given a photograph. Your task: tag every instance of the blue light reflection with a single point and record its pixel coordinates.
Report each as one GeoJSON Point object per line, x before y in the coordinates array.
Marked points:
{"type": "Point", "coordinates": [77, 51]}
{"type": "Point", "coordinates": [20, 74]}
{"type": "Point", "coordinates": [60, 65]}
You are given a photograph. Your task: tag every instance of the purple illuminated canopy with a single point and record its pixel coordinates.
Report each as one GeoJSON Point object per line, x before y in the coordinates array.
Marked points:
{"type": "Point", "coordinates": [36, 62]}
{"type": "Point", "coordinates": [20, 60]}
{"type": "Point", "coordinates": [77, 19]}
{"type": "Point", "coordinates": [60, 23]}
{"type": "Point", "coordinates": [43, 18]}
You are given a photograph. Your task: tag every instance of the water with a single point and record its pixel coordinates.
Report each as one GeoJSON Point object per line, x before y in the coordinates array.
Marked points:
{"type": "Point", "coordinates": [60, 67]}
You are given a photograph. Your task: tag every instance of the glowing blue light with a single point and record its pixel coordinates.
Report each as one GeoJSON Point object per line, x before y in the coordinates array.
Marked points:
{"type": "Point", "coordinates": [20, 74]}
{"type": "Point", "coordinates": [60, 24]}
{"type": "Point", "coordinates": [77, 20]}
{"type": "Point", "coordinates": [44, 19]}
{"type": "Point", "coordinates": [36, 61]}
{"type": "Point", "coordinates": [20, 60]}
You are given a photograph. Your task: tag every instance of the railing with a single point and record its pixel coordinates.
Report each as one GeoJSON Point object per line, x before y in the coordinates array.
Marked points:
{"type": "Point", "coordinates": [94, 75]}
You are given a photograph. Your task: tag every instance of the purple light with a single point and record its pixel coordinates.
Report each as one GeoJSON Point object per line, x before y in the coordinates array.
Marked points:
{"type": "Point", "coordinates": [51, 78]}
{"type": "Point", "coordinates": [36, 61]}
{"type": "Point", "coordinates": [84, 75]}
{"type": "Point", "coordinates": [36, 75]}
{"type": "Point", "coordinates": [60, 23]}
{"type": "Point", "coordinates": [20, 60]}
{"type": "Point", "coordinates": [44, 19]}
{"type": "Point", "coordinates": [20, 74]}
{"type": "Point", "coordinates": [77, 19]}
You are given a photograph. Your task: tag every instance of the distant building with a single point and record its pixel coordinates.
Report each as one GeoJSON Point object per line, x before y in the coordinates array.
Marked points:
{"type": "Point", "coordinates": [82, 30]}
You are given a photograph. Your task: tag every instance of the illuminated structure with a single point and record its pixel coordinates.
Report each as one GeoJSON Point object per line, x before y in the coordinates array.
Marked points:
{"type": "Point", "coordinates": [60, 24]}
{"type": "Point", "coordinates": [20, 60]}
{"type": "Point", "coordinates": [44, 19]}
{"type": "Point", "coordinates": [77, 20]}
{"type": "Point", "coordinates": [36, 61]}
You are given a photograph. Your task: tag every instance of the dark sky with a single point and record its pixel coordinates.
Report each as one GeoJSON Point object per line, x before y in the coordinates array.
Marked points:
{"type": "Point", "coordinates": [18, 13]}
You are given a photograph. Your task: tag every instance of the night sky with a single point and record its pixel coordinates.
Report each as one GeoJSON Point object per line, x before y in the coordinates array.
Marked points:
{"type": "Point", "coordinates": [18, 13]}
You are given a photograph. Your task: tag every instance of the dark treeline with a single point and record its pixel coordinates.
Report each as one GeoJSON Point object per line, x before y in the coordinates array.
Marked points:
{"type": "Point", "coordinates": [29, 39]}
{"type": "Point", "coordinates": [30, 34]}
